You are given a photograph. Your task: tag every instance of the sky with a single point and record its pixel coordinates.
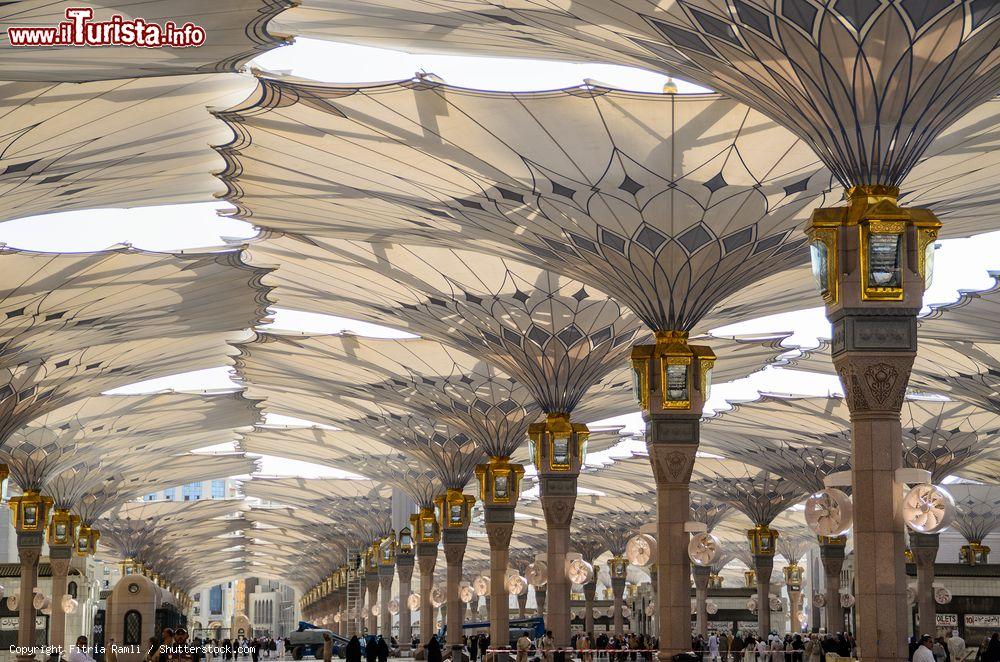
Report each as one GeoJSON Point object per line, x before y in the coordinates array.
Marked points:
{"type": "Point", "coordinates": [960, 264]}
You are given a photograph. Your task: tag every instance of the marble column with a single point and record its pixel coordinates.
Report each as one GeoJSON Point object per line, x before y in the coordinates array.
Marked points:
{"type": "Point", "coordinates": [385, 575]}
{"type": "Point", "coordinates": [589, 593]}
{"type": "Point", "coordinates": [794, 599]}
{"type": "Point", "coordinates": [29, 550]}
{"type": "Point", "coordinates": [617, 595]}
{"type": "Point", "coordinates": [522, 605]}
{"type": "Point", "coordinates": [925, 548]}
{"type": "Point", "coordinates": [540, 594]}
{"type": "Point", "coordinates": [426, 558]}
{"type": "Point", "coordinates": [701, 573]}
{"type": "Point", "coordinates": [499, 488]}
{"type": "Point", "coordinates": [672, 465]}
{"type": "Point", "coordinates": [763, 566]}
{"type": "Point", "coordinates": [654, 620]}
{"type": "Point", "coordinates": [404, 566]}
{"type": "Point", "coordinates": [455, 542]}
{"type": "Point", "coordinates": [372, 580]}
{"type": "Point", "coordinates": [558, 445]}
{"type": "Point", "coordinates": [672, 412]}
{"type": "Point", "coordinates": [872, 300]}
{"type": "Point", "coordinates": [474, 606]}
{"type": "Point", "coordinates": [832, 554]}
{"type": "Point", "coordinates": [59, 559]}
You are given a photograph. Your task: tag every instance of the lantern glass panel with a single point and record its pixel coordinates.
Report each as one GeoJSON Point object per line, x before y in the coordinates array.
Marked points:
{"type": "Point", "coordinates": [885, 259]}
{"type": "Point", "coordinates": [820, 255]}
{"type": "Point", "coordinates": [500, 486]}
{"type": "Point", "coordinates": [560, 450]}
{"type": "Point", "coordinates": [677, 382]}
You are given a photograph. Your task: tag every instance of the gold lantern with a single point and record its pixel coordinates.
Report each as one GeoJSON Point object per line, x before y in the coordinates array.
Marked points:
{"type": "Point", "coordinates": [557, 444]}
{"type": "Point", "coordinates": [455, 509]}
{"type": "Point", "coordinates": [30, 511]}
{"type": "Point", "coordinates": [762, 539]}
{"type": "Point", "coordinates": [793, 576]}
{"type": "Point", "coordinates": [387, 550]}
{"type": "Point", "coordinates": [499, 481]}
{"type": "Point", "coordinates": [674, 369]}
{"type": "Point", "coordinates": [405, 541]}
{"type": "Point", "coordinates": [371, 558]}
{"type": "Point", "coordinates": [975, 553]}
{"type": "Point", "coordinates": [888, 240]}
{"type": "Point", "coordinates": [62, 528]}
{"type": "Point", "coordinates": [425, 525]}
{"type": "Point", "coordinates": [618, 567]}
{"type": "Point", "coordinates": [86, 540]}
{"type": "Point", "coordinates": [750, 579]}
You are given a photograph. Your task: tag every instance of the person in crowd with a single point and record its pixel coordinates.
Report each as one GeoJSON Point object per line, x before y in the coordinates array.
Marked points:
{"type": "Point", "coordinates": [992, 653]}
{"type": "Point", "coordinates": [352, 653]}
{"type": "Point", "coordinates": [81, 651]}
{"type": "Point", "coordinates": [776, 648]}
{"type": "Point", "coordinates": [523, 646]}
{"type": "Point", "coordinates": [713, 646]}
{"type": "Point", "coordinates": [762, 648]}
{"type": "Point", "coordinates": [181, 651]}
{"type": "Point", "coordinates": [925, 649]}
{"type": "Point", "coordinates": [371, 649]}
{"type": "Point", "coordinates": [381, 650]}
{"type": "Point", "coordinates": [328, 647]}
{"type": "Point", "coordinates": [583, 644]}
{"type": "Point", "coordinates": [484, 644]}
{"type": "Point", "coordinates": [433, 649]}
{"type": "Point", "coordinates": [956, 647]}
{"type": "Point", "coordinates": [939, 650]}
{"type": "Point", "coordinates": [546, 645]}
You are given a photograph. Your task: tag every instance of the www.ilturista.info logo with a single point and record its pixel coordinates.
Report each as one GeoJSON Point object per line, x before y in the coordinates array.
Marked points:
{"type": "Point", "coordinates": [80, 30]}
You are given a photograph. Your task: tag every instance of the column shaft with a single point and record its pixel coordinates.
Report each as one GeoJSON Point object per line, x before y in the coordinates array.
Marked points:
{"type": "Point", "coordinates": [831, 554]}
{"type": "Point", "coordinates": [372, 580]}
{"type": "Point", "coordinates": [59, 558]}
{"type": "Point", "coordinates": [875, 396]}
{"type": "Point", "coordinates": [29, 550]}
{"type": "Point", "coordinates": [540, 593]}
{"type": "Point", "coordinates": [558, 497]}
{"type": "Point", "coordinates": [589, 593]}
{"type": "Point", "coordinates": [404, 566]}
{"type": "Point", "coordinates": [617, 595]}
{"type": "Point", "coordinates": [672, 465]}
{"type": "Point", "coordinates": [925, 547]}
{"type": "Point", "coordinates": [522, 605]}
{"type": "Point", "coordinates": [455, 542]}
{"type": "Point", "coordinates": [701, 576]}
{"type": "Point", "coordinates": [426, 558]}
{"type": "Point", "coordinates": [385, 574]}
{"type": "Point", "coordinates": [763, 565]}
{"type": "Point", "coordinates": [499, 526]}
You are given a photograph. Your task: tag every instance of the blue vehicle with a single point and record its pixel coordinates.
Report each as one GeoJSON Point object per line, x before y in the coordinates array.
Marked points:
{"type": "Point", "coordinates": [308, 640]}
{"type": "Point", "coordinates": [534, 627]}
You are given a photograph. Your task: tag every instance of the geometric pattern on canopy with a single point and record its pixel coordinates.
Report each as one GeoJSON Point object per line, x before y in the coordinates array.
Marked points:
{"type": "Point", "coordinates": [235, 31]}
{"type": "Point", "coordinates": [940, 436]}
{"type": "Point", "coordinates": [554, 335]}
{"type": "Point", "coordinates": [496, 312]}
{"type": "Point", "coordinates": [759, 495]}
{"type": "Point", "coordinates": [78, 324]}
{"type": "Point", "coordinates": [90, 435]}
{"type": "Point", "coordinates": [669, 203]}
{"type": "Point", "coordinates": [868, 84]}
{"type": "Point", "coordinates": [978, 510]}
{"type": "Point", "coordinates": [419, 375]}
{"type": "Point", "coordinates": [118, 143]}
